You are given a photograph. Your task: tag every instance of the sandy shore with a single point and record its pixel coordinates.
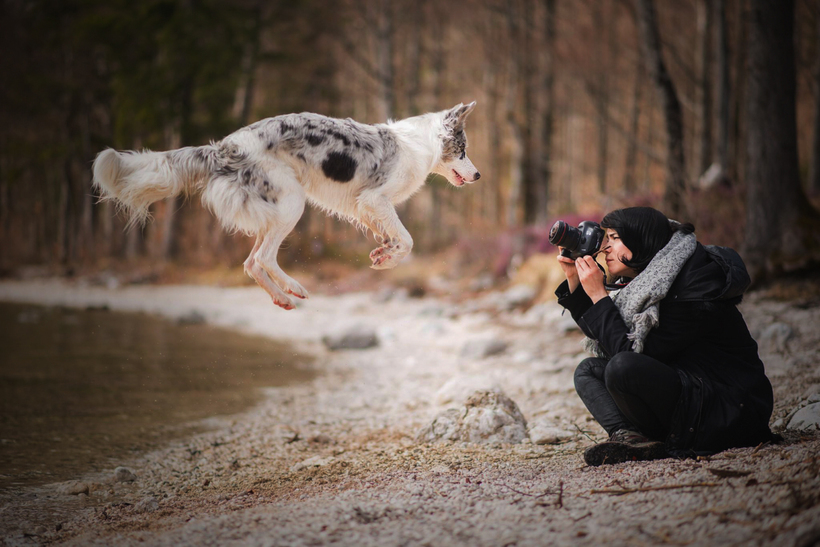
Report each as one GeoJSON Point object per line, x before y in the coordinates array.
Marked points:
{"type": "Point", "coordinates": [335, 461]}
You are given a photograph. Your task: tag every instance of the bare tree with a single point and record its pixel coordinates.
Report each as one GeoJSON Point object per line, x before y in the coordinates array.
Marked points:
{"type": "Point", "coordinates": [780, 224]}
{"type": "Point", "coordinates": [814, 173]}
{"type": "Point", "coordinates": [514, 22]}
{"type": "Point", "coordinates": [673, 117]}
{"type": "Point", "coordinates": [548, 91]}
{"type": "Point", "coordinates": [629, 183]}
{"type": "Point", "coordinates": [723, 88]}
{"type": "Point", "coordinates": [705, 18]}
{"type": "Point", "coordinates": [539, 36]}
{"type": "Point", "coordinates": [603, 27]}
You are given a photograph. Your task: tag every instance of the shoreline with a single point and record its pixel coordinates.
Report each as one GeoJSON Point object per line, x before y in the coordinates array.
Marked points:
{"type": "Point", "coordinates": [336, 461]}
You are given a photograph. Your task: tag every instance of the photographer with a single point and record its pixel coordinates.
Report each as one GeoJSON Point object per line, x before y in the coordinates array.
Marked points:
{"type": "Point", "coordinates": [676, 371]}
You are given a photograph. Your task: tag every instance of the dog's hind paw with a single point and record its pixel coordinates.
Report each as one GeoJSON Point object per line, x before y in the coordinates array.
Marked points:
{"type": "Point", "coordinates": [291, 286]}
{"type": "Point", "coordinates": [284, 303]}
{"type": "Point", "coordinates": [298, 291]}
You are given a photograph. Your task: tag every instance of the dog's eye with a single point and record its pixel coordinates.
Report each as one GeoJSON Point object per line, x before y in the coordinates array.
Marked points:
{"type": "Point", "coordinates": [463, 154]}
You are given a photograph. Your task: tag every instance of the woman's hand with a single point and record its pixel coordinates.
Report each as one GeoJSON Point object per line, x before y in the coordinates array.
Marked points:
{"type": "Point", "coordinates": [568, 265]}
{"type": "Point", "coordinates": [591, 278]}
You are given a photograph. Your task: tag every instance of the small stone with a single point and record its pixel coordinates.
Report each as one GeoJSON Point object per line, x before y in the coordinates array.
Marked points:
{"type": "Point", "coordinates": [123, 474]}
{"type": "Point", "coordinates": [74, 488]}
{"type": "Point", "coordinates": [315, 461]}
{"type": "Point", "coordinates": [807, 418]}
{"type": "Point", "coordinates": [321, 438]}
{"type": "Point", "coordinates": [148, 505]}
{"type": "Point", "coordinates": [542, 433]}
{"type": "Point", "coordinates": [193, 317]}
{"type": "Point", "coordinates": [285, 433]}
{"type": "Point", "coordinates": [459, 388]}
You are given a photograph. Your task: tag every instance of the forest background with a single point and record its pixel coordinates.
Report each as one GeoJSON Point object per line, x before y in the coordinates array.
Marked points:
{"type": "Point", "coordinates": [706, 109]}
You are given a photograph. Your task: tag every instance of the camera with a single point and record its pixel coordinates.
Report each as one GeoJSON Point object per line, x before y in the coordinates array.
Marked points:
{"type": "Point", "coordinates": [584, 240]}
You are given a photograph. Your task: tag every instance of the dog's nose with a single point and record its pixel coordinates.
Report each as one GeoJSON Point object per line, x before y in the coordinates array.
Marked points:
{"type": "Point", "coordinates": [477, 176]}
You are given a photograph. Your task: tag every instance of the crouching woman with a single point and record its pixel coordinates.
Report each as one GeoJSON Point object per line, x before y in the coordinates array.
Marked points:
{"type": "Point", "coordinates": [676, 371]}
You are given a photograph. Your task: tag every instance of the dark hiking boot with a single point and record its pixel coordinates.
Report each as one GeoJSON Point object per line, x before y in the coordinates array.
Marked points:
{"type": "Point", "coordinates": [624, 446]}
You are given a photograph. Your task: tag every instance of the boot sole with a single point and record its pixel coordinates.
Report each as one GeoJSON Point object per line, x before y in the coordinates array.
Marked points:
{"type": "Point", "coordinates": [609, 453]}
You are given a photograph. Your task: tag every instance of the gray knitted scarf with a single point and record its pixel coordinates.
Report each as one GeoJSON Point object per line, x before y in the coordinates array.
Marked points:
{"type": "Point", "coordinates": [638, 301]}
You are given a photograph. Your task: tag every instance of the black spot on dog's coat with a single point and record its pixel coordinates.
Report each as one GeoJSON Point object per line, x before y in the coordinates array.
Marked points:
{"type": "Point", "coordinates": [341, 136]}
{"type": "Point", "coordinates": [285, 127]}
{"type": "Point", "coordinates": [315, 140]}
{"type": "Point", "coordinates": [339, 166]}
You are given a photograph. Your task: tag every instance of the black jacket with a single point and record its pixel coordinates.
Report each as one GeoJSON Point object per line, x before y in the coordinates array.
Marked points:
{"type": "Point", "coordinates": [726, 399]}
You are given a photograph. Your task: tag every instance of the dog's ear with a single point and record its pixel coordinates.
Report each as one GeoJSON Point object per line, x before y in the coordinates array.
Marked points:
{"type": "Point", "coordinates": [457, 115]}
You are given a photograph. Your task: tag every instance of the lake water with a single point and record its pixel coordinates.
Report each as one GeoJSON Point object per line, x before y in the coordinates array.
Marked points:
{"type": "Point", "coordinates": [82, 389]}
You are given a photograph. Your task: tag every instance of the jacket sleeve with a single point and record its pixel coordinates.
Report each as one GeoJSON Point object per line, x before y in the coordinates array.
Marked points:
{"type": "Point", "coordinates": [576, 302]}
{"type": "Point", "coordinates": [678, 328]}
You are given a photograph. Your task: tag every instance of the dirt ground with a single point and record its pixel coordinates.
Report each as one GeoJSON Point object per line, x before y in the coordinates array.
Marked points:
{"type": "Point", "coordinates": [335, 461]}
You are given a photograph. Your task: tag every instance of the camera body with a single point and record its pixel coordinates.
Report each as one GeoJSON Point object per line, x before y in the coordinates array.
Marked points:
{"type": "Point", "coordinates": [584, 240]}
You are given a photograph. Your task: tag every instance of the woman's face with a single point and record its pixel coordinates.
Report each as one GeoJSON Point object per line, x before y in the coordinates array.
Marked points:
{"type": "Point", "coordinates": [615, 252]}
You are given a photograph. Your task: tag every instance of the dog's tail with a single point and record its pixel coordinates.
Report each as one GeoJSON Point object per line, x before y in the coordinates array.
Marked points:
{"type": "Point", "coordinates": [135, 180]}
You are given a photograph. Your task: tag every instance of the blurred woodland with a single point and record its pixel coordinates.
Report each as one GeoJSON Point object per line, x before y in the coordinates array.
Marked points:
{"type": "Point", "coordinates": [706, 109]}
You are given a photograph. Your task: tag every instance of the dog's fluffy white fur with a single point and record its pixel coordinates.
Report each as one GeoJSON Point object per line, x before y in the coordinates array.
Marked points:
{"type": "Point", "coordinates": [258, 178]}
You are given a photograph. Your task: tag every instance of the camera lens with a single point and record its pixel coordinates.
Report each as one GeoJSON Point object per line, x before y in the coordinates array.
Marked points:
{"type": "Point", "coordinates": [564, 235]}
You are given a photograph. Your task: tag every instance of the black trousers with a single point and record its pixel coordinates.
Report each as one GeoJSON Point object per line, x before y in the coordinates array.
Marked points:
{"type": "Point", "coordinates": [629, 391]}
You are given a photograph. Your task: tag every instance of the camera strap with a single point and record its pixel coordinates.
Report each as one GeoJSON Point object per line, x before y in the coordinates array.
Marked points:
{"type": "Point", "coordinates": [618, 284]}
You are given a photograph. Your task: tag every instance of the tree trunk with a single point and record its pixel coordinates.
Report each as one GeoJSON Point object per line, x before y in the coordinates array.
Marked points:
{"type": "Point", "coordinates": [533, 105]}
{"type": "Point", "coordinates": [737, 102]}
{"type": "Point", "coordinates": [723, 90]}
{"type": "Point", "coordinates": [516, 138]}
{"type": "Point", "coordinates": [673, 117]}
{"type": "Point", "coordinates": [548, 92]}
{"type": "Point", "coordinates": [602, 91]}
{"type": "Point", "coordinates": [438, 68]}
{"type": "Point", "coordinates": [705, 17]}
{"type": "Point", "coordinates": [781, 232]}
{"type": "Point", "coordinates": [629, 184]}
{"type": "Point", "coordinates": [414, 68]}
{"type": "Point", "coordinates": [814, 172]}
{"type": "Point", "coordinates": [244, 91]}
{"type": "Point", "coordinates": [384, 57]}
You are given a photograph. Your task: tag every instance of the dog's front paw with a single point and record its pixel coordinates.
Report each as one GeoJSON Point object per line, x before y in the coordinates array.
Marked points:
{"type": "Point", "coordinates": [383, 259]}
{"type": "Point", "coordinates": [378, 252]}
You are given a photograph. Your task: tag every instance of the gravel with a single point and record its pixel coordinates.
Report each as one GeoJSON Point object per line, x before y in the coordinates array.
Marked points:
{"type": "Point", "coordinates": [336, 461]}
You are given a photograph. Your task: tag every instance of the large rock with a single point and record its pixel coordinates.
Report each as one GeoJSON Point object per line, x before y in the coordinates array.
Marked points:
{"type": "Point", "coordinates": [517, 295]}
{"type": "Point", "coordinates": [479, 349]}
{"type": "Point", "coordinates": [807, 417]}
{"type": "Point", "coordinates": [773, 339]}
{"type": "Point", "coordinates": [356, 337]}
{"type": "Point", "coordinates": [487, 417]}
